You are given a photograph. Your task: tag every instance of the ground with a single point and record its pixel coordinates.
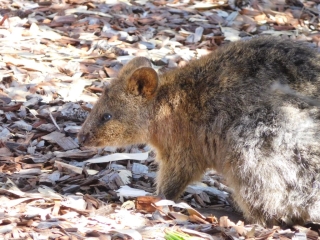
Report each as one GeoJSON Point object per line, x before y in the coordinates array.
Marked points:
{"type": "Point", "coordinates": [55, 59]}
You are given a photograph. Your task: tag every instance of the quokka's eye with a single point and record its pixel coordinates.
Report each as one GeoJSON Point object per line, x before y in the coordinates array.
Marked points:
{"type": "Point", "coordinates": [106, 117]}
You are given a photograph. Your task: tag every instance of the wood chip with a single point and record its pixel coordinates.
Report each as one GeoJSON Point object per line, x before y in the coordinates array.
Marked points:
{"type": "Point", "coordinates": [66, 143]}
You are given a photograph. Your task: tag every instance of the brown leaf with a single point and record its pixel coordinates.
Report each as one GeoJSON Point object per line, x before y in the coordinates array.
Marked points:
{"type": "Point", "coordinates": [146, 203]}
{"type": "Point", "coordinates": [11, 108]}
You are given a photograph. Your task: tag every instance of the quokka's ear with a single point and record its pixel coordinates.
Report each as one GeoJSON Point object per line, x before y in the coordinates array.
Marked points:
{"type": "Point", "coordinates": [133, 65]}
{"type": "Point", "coordinates": [143, 81]}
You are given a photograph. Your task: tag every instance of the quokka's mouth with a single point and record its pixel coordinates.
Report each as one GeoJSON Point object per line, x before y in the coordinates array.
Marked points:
{"type": "Point", "coordinates": [87, 139]}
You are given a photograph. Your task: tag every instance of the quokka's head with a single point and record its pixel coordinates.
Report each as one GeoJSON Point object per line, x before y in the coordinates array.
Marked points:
{"type": "Point", "coordinates": [121, 115]}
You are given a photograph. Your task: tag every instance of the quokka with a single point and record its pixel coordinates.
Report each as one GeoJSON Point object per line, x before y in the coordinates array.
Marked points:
{"type": "Point", "coordinates": [249, 110]}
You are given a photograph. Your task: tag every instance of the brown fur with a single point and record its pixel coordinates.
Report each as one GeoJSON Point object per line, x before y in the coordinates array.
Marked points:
{"type": "Point", "coordinates": [245, 110]}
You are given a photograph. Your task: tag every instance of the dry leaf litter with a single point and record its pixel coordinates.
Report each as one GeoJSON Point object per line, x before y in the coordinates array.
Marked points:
{"type": "Point", "coordinates": [55, 59]}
